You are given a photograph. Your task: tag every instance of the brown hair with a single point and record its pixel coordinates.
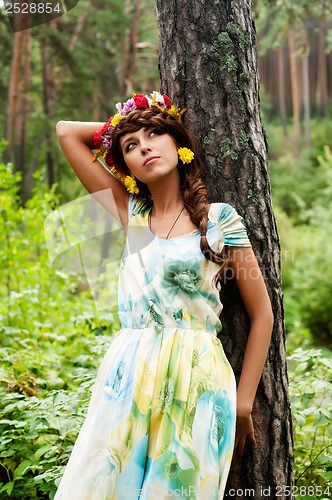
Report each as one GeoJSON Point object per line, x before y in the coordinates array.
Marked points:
{"type": "Point", "coordinates": [193, 191]}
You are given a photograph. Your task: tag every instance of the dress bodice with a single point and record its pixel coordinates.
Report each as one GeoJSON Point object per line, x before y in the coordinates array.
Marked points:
{"type": "Point", "coordinates": [169, 282]}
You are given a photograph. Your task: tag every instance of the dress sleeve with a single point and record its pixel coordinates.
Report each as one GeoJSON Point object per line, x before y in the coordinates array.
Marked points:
{"type": "Point", "coordinates": [231, 225]}
{"type": "Point", "coordinates": [131, 205]}
{"type": "Point", "coordinates": [135, 205]}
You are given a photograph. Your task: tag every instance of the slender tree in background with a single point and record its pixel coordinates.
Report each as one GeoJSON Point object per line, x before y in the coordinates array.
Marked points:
{"type": "Point", "coordinates": [294, 77]}
{"type": "Point", "coordinates": [129, 47]}
{"type": "Point", "coordinates": [299, 28]}
{"type": "Point", "coordinates": [208, 63]}
{"type": "Point", "coordinates": [322, 70]}
{"type": "Point", "coordinates": [17, 101]}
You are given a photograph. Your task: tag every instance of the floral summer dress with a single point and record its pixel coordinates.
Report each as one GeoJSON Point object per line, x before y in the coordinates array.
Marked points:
{"type": "Point", "coordinates": [161, 420]}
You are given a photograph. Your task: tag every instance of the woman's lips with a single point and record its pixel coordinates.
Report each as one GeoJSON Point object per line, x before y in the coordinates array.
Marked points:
{"type": "Point", "coordinates": [150, 159]}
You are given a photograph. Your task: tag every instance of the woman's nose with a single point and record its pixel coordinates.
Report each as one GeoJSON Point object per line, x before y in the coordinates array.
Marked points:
{"type": "Point", "coordinates": [145, 148]}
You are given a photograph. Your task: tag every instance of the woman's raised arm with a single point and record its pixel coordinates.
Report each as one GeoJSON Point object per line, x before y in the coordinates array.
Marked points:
{"type": "Point", "coordinates": [75, 139]}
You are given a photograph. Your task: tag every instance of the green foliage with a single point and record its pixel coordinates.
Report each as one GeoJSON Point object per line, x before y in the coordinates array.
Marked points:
{"type": "Point", "coordinates": [51, 344]}
{"type": "Point", "coordinates": [84, 49]}
{"type": "Point", "coordinates": [36, 439]}
{"type": "Point", "coordinates": [300, 185]}
{"type": "Point", "coordinates": [302, 192]}
{"type": "Point", "coordinates": [310, 392]}
{"type": "Point", "coordinates": [276, 18]}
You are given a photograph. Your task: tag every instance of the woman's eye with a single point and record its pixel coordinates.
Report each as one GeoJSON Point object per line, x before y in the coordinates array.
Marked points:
{"type": "Point", "coordinates": [130, 146]}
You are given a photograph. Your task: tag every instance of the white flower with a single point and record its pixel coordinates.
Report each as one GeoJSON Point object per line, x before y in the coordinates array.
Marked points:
{"type": "Point", "coordinates": [157, 97]}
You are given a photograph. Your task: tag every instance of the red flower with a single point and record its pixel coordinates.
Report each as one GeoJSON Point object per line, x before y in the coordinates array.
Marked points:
{"type": "Point", "coordinates": [97, 140]}
{"type": "Point", "coordinates": [106, 126]}
{"type": "Point", "coordinates": [109, 160]}
{"type": "Point", "coordinates": [141, 101]}
{"type": "Point", "coordinates": [167, 101]}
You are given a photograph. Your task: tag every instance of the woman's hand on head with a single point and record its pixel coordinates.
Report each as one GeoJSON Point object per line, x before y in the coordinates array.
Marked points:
{"type": "Point", "coordinates": [75, 139]}
{"type": "Point", "coordinates": [244, 431]}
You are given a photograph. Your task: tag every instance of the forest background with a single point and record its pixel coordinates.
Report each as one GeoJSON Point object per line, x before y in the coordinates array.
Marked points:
{"type": "Point", "coordinates": [76, 67]}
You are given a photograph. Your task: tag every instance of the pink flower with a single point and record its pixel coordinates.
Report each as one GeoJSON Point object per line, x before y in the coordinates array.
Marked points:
{"type": "Point", "coordinates": [128, 106]}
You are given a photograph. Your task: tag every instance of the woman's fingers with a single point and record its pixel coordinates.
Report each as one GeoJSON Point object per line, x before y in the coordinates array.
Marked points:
{"type": "Point", "coordinates": [244, 430]}
{"type": "Point", "coordinates": [240, 447]}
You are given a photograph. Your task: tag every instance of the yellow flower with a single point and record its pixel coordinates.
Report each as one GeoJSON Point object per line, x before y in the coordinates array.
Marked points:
{"type": "Point", "coordinates": [131, 185]}
{"type": "Point", "coordinates": [185, 155]}
{"type": "Point", "coordinates": [115, 120]}
{"type": "Point", "coordinates": [176, 112]}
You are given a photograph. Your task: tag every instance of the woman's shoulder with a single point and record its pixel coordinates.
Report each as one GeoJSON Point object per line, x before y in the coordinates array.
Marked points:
{"type": "Point", "coordinates": [220, 212]}
{"type": "Point", "coordinates": [230, 222]}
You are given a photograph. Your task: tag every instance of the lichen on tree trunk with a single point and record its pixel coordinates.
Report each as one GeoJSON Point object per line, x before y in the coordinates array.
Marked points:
{"type": "Point", "coordinates": [208, 63]}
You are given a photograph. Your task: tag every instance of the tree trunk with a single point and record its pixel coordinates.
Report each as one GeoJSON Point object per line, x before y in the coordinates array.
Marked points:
{"type": "Point", "coordinates": [208, 63]}
{"type": "Point", "coordinates": [306, 89]}
{"type": "Point", "coordinates": [18, 104]}
{"type": "Point", "coordinates": [295, 91]}
{"type": "Point", "coordinates": [281, 90]}
{"type": "Point", "coordinates": [129, 47]}
{"type": "Point", "coordinates": [22, 159]}
{"type": "Point", "coordinates": [48, 78]}
{"type": "Point", "coordinates": [13, 87]}
{"type": "Point", "coordinates": [322, 71]}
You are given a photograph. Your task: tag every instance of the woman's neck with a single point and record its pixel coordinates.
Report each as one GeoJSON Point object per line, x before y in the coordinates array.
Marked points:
{"type": "Point", "coordinates": [167, 200]}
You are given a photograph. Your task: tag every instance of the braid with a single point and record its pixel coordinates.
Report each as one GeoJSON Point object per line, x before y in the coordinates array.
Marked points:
{"type": "Point", "coordinates": [195, 199]}
{"type": "Point", "coordinates": [193, 190]}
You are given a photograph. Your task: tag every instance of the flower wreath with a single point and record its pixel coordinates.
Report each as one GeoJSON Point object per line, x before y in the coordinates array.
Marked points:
{"type": "Point", "coordinates": [102, 139]}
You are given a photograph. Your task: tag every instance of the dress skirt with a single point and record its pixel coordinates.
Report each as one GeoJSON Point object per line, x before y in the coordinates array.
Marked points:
{"type": "Point", "coordinates": [161, 420]}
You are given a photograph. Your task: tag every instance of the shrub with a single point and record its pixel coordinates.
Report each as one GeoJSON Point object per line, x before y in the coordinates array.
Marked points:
{"type": "Point", "coordinates": [310, 391]}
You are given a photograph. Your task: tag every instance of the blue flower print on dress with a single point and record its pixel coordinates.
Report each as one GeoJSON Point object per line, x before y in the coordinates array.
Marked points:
{"type": "Point", "coordinates": [130, 479]}
{"type": "Point", "coordinates": [173, 473]}
{"type": "Point", "coordinates": [154, 314]}
{"type": "Point", "coordinates": [216, 438]}
{"type": "Point", "coordinates": [115, 379]}
{"type": "Point", "coordinates": [118, 386]}
{"type": "Point", "coordinates": [119, 383]}
{"type": "Point", "coordinates": [181, 277]}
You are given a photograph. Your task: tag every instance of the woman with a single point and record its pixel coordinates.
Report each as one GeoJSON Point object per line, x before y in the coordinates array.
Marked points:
{"type": "Point", "coordinates": [161, 420]}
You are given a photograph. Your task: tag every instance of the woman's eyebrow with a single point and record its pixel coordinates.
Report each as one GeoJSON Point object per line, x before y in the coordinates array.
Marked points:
{"type": "Point", "coordinates": [130, 138]}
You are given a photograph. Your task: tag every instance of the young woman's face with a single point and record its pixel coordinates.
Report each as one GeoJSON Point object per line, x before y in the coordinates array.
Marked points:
{"type": "Point", "coordinates": [150, 156]}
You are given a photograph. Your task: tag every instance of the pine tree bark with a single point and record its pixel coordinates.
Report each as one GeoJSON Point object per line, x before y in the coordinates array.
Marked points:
{"type": "Point", "coordinates": [208, 63]}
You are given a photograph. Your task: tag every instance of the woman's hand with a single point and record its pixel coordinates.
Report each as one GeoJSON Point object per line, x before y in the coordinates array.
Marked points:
{"type": "Point", "coordinates": [75, 139]}
{"type": "Point", "coordinates": [244, 430]}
